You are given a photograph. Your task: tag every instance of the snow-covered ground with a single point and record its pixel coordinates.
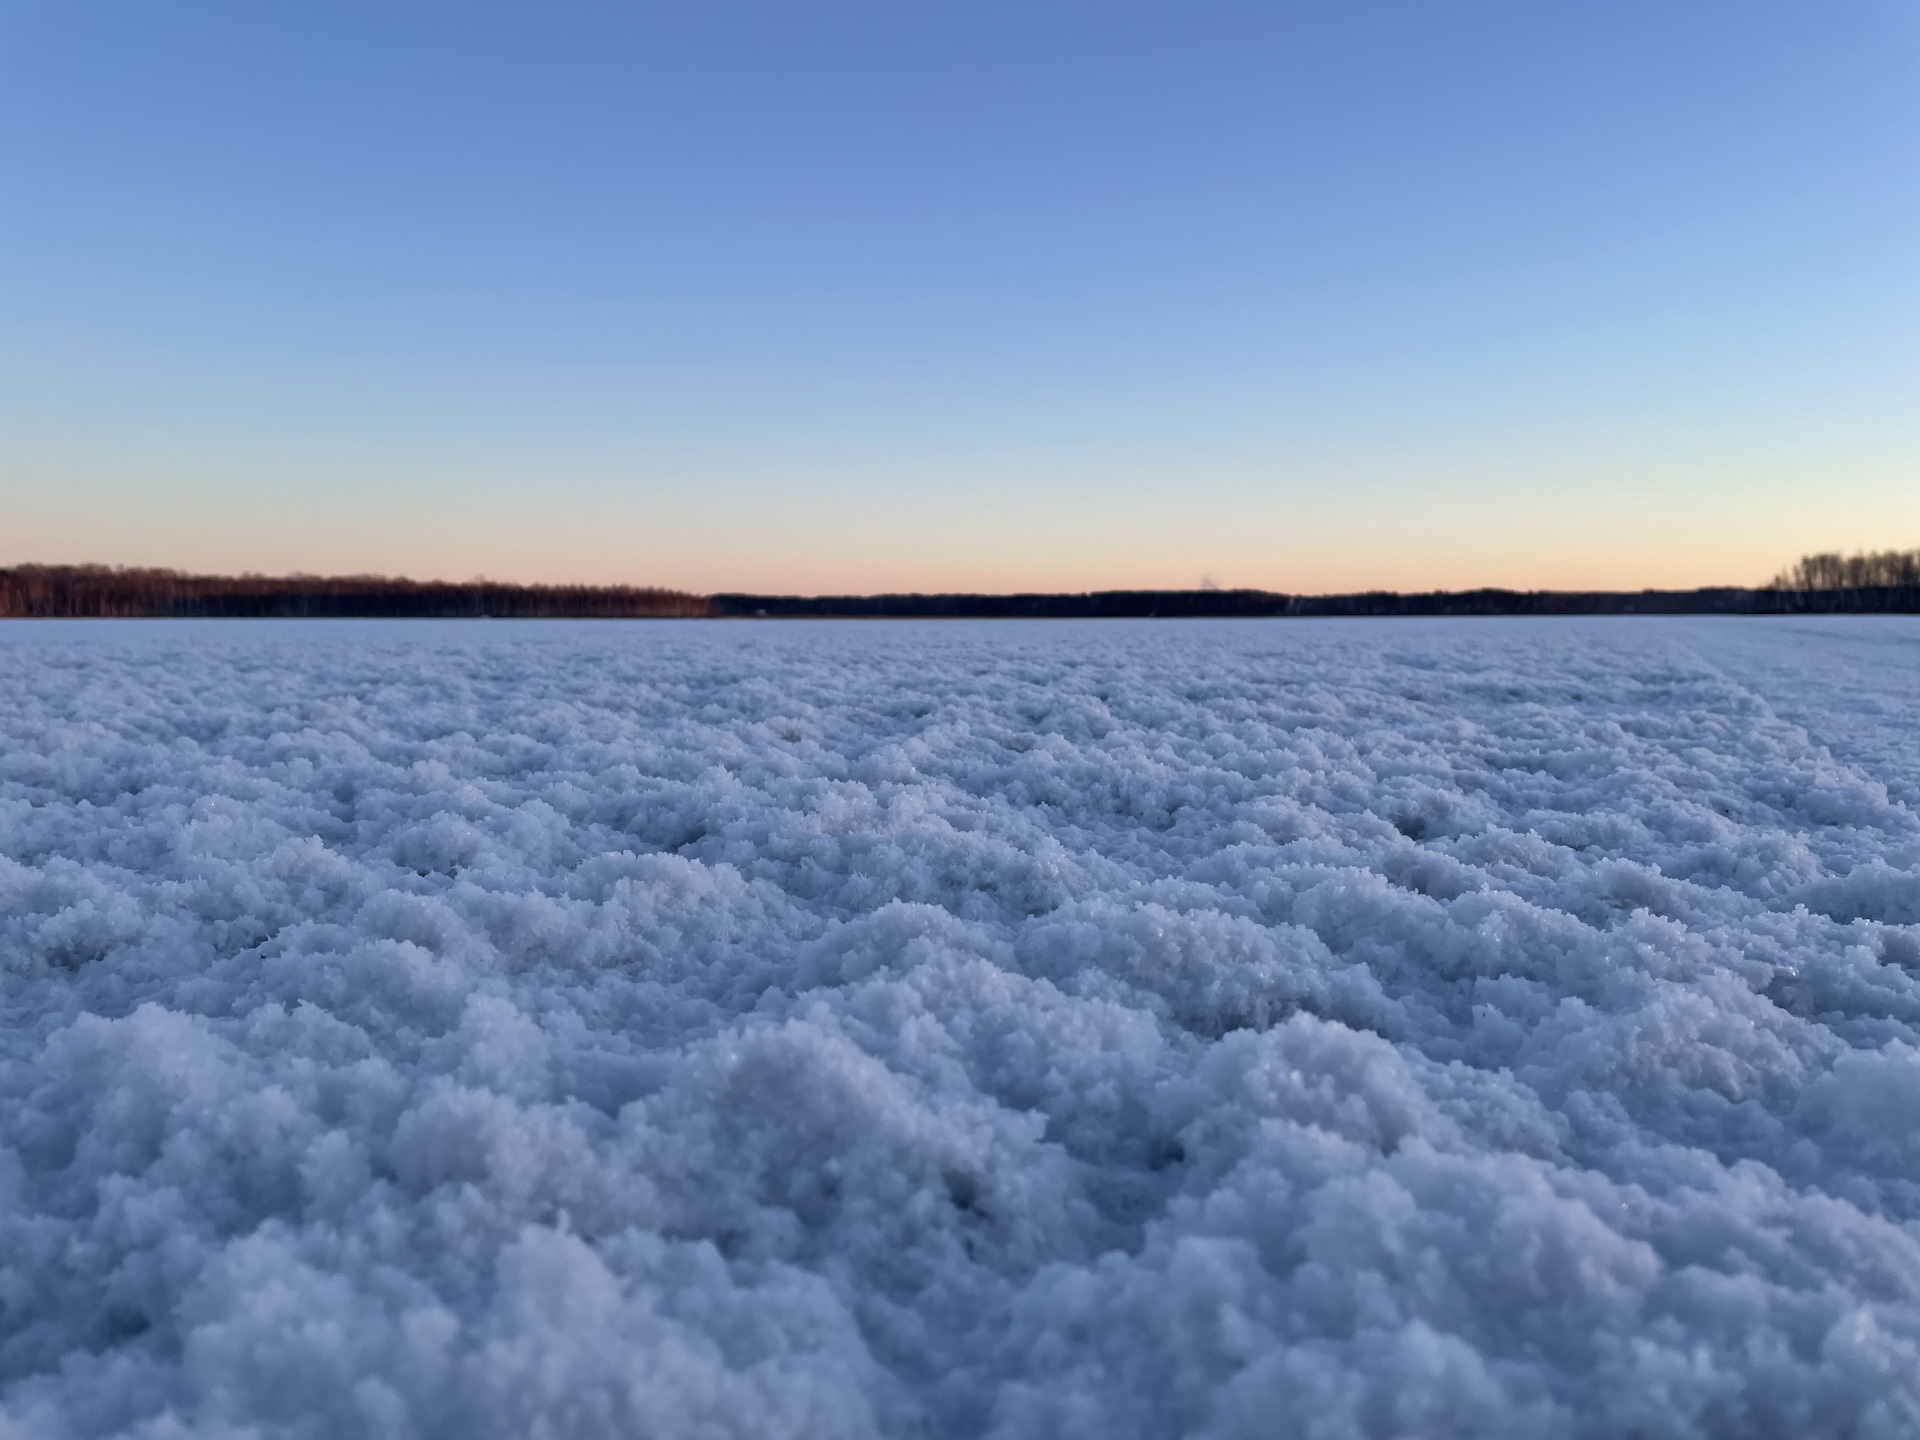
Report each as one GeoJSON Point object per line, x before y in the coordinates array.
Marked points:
{"type": "Point", "coordinates": [1278, 1029]}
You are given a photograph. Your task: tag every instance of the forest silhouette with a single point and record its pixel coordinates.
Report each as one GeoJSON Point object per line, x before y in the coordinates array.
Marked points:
{"type": "Point", "coordinates": [1885, 582]}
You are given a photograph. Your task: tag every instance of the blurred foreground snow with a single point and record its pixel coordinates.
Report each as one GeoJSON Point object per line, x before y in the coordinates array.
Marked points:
{"type": "Point", "coordinates": [1488, 1028]}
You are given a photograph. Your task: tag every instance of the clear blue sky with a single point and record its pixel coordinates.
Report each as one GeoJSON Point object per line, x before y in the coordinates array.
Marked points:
{"type": "Point", "coordinates": [978, 296]}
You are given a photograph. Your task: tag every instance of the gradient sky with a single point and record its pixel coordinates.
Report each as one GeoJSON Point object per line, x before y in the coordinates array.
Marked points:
{"type": "Point", "coordinates": [967, 296]}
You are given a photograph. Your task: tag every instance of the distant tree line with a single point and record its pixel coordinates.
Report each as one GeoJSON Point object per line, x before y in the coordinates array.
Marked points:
{"type": "Point", "coordinates": [1886, 582]}
{"type": "Point", "coordinates": [1099, 604]}
{"type": "Point", "coordinates": [1249, 603]}
{"type": "Point", "coordinates": [78, 591]}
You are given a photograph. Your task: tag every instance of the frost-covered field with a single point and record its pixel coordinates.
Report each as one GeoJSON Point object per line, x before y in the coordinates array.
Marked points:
{"type": "Point", "coordinates": [1496, 1028]}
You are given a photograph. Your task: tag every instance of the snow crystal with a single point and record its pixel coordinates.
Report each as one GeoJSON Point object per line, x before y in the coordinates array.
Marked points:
{"type": "Point", "coordinates": [1280, 1029]}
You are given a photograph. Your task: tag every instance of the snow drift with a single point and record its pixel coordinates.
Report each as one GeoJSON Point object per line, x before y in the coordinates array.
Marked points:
{"type": "Point", "coordinates": [1267, 1029]}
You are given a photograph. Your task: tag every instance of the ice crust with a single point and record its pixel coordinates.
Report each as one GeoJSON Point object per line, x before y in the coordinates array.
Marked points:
{"type": "Point", "coordinates": [1279, 1029]}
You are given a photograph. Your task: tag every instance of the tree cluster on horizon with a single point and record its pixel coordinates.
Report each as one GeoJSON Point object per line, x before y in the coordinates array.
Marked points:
{"type": "Point", "coordinates": [1876, 570]}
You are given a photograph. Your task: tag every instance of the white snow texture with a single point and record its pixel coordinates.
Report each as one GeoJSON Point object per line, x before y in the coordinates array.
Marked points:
{"type": "Point", "coordinates": [1495, 1028]}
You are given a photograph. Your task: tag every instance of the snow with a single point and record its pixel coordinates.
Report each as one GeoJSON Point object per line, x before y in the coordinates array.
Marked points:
{"type": "Point", "coordinates": [1280, 1029]}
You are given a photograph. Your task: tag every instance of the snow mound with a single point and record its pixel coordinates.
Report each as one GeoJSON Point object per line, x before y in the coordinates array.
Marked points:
{"type": "Point", "coordinates": [1131, 1029]}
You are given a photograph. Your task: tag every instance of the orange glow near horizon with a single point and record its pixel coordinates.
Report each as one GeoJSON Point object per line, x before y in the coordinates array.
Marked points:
{"type": "Point", "coordinates": [1302, 540]}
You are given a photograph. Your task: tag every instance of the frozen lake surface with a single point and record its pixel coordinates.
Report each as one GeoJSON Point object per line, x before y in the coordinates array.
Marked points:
{"type": "Point", "coordinates": [1278, 1029]}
